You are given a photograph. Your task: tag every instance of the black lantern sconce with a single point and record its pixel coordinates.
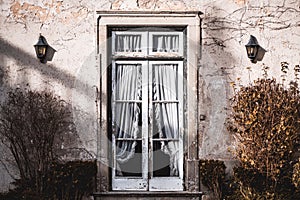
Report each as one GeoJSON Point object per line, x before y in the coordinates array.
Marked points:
{"type": "Point", "coordinates": [254, 51]}
{"type": "Point", "coordinates": [43, 50]}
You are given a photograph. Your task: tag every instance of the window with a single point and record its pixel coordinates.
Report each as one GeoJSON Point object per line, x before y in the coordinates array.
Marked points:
{"type": "Point", "coordinates": [148, 101]}
{"type": "Point", "coordinates": [147, 111]}
{"type": "Point", "coordinates": [128, 42]}
{"type": "Point", "coordinates": [170, 43]}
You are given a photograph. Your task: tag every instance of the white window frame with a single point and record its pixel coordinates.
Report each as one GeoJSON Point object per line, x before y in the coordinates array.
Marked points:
{"type": "Point", "coordinates": [168, 183]}
{"type": "Point", "coordinates": [150, 183]}
{"type": "Point", "coordinates": [134, 183]}
{"type": "Point", "coordinates": [144, 39]}
{"type": "Point", "coordinates": [169, 54]}
{"type": "Point", "coordinates": [192, 22]}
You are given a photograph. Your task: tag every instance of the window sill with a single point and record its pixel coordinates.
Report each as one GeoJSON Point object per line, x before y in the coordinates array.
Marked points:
{"type": "Point", "coordinates": [147, 194]}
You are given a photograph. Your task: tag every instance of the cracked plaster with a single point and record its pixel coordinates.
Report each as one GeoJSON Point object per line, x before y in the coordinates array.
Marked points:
{"type": "Point", "coordinates": [69, 27]}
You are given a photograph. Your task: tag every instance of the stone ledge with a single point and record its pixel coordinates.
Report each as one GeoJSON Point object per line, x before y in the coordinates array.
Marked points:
{"type": "Point", "coordinates": [147, 195]}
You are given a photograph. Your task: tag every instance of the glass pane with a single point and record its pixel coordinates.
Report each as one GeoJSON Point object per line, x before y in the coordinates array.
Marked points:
{"type": "Point", "coordinates": [127, 92]}
{"type": "Point", "coordinates": [165, 101]}
{"type": "Point", "coordinates": [165, 127]}
{"type": "Point", "coordinates": [165, 121]}
{"type": "Point", "coordinates": [128, 43]}
{"type": "Point", "coordinates": [165, 43]}
{"type": "Point", "coordinates": [165, 158]}
{"type": "Point", "coordinates": [128, 120]}
{"type": "Point", "coordinates": [128, 82]}
{"type": "Point", "coordinates": [165, 82]}
{"type": "Point", "coordinates": [131, 166]}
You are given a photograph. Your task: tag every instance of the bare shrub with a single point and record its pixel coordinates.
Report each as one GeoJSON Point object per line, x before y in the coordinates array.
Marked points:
{"type": "Point", "coordinates": [265, 121]}
{"type": "Point", "coordinates": [32, 125]}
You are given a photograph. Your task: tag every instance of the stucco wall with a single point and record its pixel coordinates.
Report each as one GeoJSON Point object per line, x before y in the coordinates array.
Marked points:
{"type": "Point", "coordinates": [70, 27]}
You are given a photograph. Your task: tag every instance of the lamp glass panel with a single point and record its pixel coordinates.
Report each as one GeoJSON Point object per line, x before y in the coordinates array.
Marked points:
{"type": "Point", "coordinates": [41, 51]}
{"type": "Point", "coordinates": [251, 51]}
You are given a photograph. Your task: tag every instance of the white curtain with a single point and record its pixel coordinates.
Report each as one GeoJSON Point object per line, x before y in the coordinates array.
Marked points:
{"type": "Point", "coordinates": [166, 43]}
{"type": "Point", "coordinates": [127, 89]}
{"type": "Point", "coordinates": [166, 112]}
{"type": "Point", "coordinates": [128, 43]}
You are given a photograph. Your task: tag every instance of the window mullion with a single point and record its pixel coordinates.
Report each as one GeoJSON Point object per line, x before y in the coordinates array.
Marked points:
{"type": "Point", "coordinates": [180, 85]}
{"type": "Point", "coordinates": [150, 110]}
{"type": "Point", "coordinates": [113, 119]}
{"type": "Point", "coordinates": [145, 119]}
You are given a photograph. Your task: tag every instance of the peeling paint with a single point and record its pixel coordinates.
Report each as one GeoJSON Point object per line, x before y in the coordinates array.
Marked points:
{"type": "Point", "coordinates": [57, 7]}
{"type": "Point", "coordinates": [240, 2]}
{"type": "Point", "coordinates": [26, 10]}
{"type": "Point", "coordinates": [125, 4]}
{"type": "Point", "coordinates": [47, 12]}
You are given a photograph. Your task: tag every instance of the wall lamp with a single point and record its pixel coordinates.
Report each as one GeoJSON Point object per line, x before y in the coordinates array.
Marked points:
{"type": "Point", "coordinates": [254, 51]}
{"type": "Point", "coordinates": [43, 50]}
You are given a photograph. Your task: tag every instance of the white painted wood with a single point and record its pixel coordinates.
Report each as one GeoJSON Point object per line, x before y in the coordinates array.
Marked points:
{"type": "Point", "coordinates": [154, 20]}
{"type": "Point", "coordinates": [126, 183]}
{"type": "Point", "coordinates": [145, 125]}
{"type": "Point", "coordinates": [166, 184]}
{"type": "Point", "coordinates": [131, 183]}
{"type": "Point", "coordinates": [171, 33]}
{"type": "Point", "coordinates": [151, 116]}
{"type": "Point", "coordinates": [170, 183]}
{"type": "Point", "coordinates": [144, 41]}
{"type": "Point", "coordinates": [145, 182]}
{"type": "Point", "coordinates": [191, 21]}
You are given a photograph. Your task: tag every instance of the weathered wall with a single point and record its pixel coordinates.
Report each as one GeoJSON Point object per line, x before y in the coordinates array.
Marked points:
{"type": "Point", "coordinates": [226, 29]}
{"type": "Point", "coordinates": [70, 27]}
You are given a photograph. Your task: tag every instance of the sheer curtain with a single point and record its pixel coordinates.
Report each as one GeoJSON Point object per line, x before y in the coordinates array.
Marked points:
{"type": "Point", "coordinates": [128, 43]}
{"type": "Point", "coordinates": [166, 111]}
{"type": "Point", "coordinates": [166, 43]}
{"type": "Point", "coordinates": [127, 90]}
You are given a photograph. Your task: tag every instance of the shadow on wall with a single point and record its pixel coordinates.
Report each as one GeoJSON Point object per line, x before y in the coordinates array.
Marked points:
{"type": "Point", "coordinates": [25, 62]}
{"type": "Point", "coordinates": [48, 70]}
{"type": "Point", "coordinates": [81, 92]}
{"type": "Point", "coordinates": [3, 76]}
{"type": "Point", "coordinates": [3, 73]}
{"type": "Point", "coordinates": [224, 57]}
{"type": "Point", "coordinates": [216, 71]}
